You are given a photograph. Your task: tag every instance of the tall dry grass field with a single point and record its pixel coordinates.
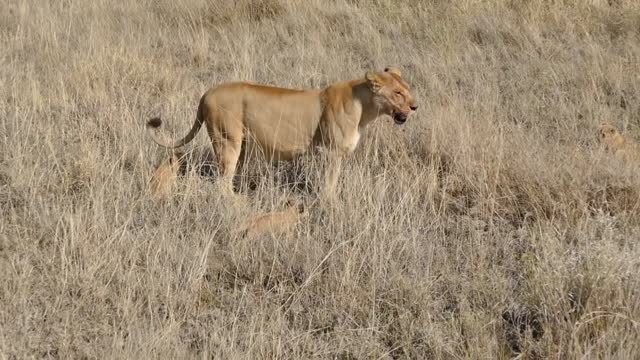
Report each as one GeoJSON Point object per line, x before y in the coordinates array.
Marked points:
{"type": "Point", "coordinates": [491, 225]}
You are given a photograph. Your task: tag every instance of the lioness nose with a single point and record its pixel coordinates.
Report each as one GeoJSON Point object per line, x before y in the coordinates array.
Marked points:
{"type": "Point", "coordinates": [413, 107]}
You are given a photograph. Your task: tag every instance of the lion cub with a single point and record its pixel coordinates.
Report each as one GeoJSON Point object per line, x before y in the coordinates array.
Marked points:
{"type": "Point", "coordinates": [274, 222]}
{"type": "Point", "coordinates": [164, 180]}
{"type": "Point", "coordinates": [616, 143]}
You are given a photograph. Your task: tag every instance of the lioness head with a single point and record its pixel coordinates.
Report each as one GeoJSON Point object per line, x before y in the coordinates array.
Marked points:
{"type": "Point", "coordinates": [391, 94]}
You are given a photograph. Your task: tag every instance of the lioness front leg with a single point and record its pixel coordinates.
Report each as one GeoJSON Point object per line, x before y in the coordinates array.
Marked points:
{"type": "Point", "coordinates": [332, 168]}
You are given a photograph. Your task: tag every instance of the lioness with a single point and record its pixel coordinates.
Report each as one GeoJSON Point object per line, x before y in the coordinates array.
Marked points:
{"type": "Point", "coordinates": [285, 123]}
{"type": "Point", "coordinates": [616, 143]}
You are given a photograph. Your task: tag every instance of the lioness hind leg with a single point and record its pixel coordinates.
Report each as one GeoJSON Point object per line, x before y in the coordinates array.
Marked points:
{"type": "Point", "coordinates": [227, 154]}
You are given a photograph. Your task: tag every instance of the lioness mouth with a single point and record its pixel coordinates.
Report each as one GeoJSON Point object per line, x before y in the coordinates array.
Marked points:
{"type": "Point", "coordinates": [399, 118]}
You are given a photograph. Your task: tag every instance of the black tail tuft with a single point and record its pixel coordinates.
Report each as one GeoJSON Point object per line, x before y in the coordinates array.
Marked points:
{"type": "Point", "coordinates": [154, 122]}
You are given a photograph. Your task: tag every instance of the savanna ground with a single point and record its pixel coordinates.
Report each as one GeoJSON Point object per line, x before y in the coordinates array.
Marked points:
{"type": "Point", "coordinates": [489, 226]}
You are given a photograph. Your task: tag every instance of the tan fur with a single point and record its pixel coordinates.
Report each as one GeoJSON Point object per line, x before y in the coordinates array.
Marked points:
{"type": "Point", "coordinates": [616, 143]}
{"type": "Point", "coordinates": [163, 182]}
{"type": "Point", "coordinates": [286, 123]}
{"type": "Point", "coordinates": [274, 222]}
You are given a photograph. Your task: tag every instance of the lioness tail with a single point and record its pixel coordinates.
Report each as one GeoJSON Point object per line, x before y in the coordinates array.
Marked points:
{"type": "Point", "coordinates": [162, 138]}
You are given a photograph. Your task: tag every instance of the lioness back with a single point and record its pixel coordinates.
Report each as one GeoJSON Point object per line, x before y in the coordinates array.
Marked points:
{"type": "Point", "coordinates": [281, 121]}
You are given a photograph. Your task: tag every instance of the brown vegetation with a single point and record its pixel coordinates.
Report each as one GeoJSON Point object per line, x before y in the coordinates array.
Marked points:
{"type": "Point", "coordinates": [487, 226]}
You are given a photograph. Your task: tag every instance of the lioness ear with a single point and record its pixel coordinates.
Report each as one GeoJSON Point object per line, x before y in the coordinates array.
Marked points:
{"type": "Point", "coordinates": [373, 80]}
{"type": "Point", "coordinates": [393, 70]}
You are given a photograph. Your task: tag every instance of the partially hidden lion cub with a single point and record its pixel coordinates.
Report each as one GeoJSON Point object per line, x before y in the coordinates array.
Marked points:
{"type": "Point", "coordinates": [164, 179]}
{"type": "Point", "coordinates": [274, 222]}
{"type": "Point", "coordinates": [616, 143]}
{"type": "Point", "coordinates": [286, 123]}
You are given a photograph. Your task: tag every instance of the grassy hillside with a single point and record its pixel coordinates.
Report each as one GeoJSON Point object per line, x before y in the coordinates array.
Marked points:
{"type": "Point", "coordinates": [492, 225]}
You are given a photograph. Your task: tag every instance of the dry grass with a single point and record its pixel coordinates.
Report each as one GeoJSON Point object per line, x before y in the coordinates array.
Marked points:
{"type": "Point", "coordinates": [491, 225]}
